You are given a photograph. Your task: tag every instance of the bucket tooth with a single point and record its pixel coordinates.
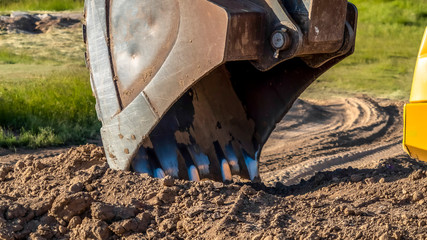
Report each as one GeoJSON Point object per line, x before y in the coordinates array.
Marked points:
{"type": "Point", "coordinates": [251, 165]}
{"type": "Point", "coordinates": [225, 171]}
{"type": "Point", "coordinates": [165, 149]}
{"type": "Point", "coordinates": [141, 163]}
{"type": "Point", "coordinates": [187, 163]}
{"type": "Point", "coordinates": [193, 173]}
{"type": "Point", "coordinates": [201, 160]}
{"type": "Point", "coordinates": [225, 167]}
{"type": "Point", "coordinates": [232, 159]}
{"type": "Point", "coordinates": [146, 161]}
{"type": "Point", "coordinates": [159, 173]}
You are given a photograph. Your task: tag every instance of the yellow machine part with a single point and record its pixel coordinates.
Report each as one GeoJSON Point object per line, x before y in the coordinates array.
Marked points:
{"type": "Point", "coordinates": [415, 116]}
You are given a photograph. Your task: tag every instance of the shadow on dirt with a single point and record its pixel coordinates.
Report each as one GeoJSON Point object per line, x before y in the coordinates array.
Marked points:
{"type": "Point", "coordinates": [388, 170]}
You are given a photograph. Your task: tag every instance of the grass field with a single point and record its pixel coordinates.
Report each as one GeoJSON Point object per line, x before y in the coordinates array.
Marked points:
{"type": "Point", "coordinates": [45, 94]}
{"type": "Point", "coordinates": [43, 5]}
{"type": "Point", "coordinates": [46, 100]}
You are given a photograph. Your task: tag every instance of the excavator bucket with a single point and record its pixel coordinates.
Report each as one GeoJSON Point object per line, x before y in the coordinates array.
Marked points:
{"type": "Point", "coordinates": [193, 88]}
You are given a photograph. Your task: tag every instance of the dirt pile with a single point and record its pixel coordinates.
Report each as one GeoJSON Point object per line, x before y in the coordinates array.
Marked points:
{"type": "Point", "coordinates": [367, 188]}
{"type": "Point", "coordinates": [22, 22]}
{"type": "Point", "coordinates": [75, 195]}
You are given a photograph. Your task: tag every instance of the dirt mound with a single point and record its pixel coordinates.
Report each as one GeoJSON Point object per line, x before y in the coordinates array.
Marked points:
{"type": "Point", "coordinates": [22, 22]}
{"type": "Point", "coordinates": [75, 195]}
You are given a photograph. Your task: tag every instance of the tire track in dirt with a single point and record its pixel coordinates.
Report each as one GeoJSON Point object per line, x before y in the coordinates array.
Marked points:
{"type": "Point", "coordinates": [324, 135]}
{"type": "Point", "coordinates": [293, 174]}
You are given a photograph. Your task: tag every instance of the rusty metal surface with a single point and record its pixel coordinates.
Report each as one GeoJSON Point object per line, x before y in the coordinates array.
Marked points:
{"type": "Point", "coordinates": [245, 30]}
{"type": "Point", "coordinates": [315, 26]}
{"type": "Point", "coordinates": [348, 44]}
{"type": "Point", "coordinates": [326, 24]}
{"type": "Point", "coordinates": [193, 88]}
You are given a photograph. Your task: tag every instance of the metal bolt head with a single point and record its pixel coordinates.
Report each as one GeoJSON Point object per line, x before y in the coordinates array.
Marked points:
{"type": "Point", "coordinates": [278, 40]}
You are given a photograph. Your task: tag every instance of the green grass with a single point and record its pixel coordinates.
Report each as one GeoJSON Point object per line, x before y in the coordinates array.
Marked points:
{"type": "Point", "coordinates": [388, 38]}
{"type": "Point", "coordinates": [45, 93]}
{"type": "Point", "coordinates": [45, 5]}
{"type": "Point", "coordinates": [7, 56]}
{"type": "Point", "coordinates": [59, 106]}
{"type": "Point", "coordinates": [44, 137]}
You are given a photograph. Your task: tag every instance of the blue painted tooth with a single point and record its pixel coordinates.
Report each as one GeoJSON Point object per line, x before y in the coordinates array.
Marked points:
{"type": "Point", "coordinates": [232, 158]}
{"type": "Point", "coordinates": [193, 173]}
{"type": "Point", "coordinates": [141, 162]}
{"type": "Point", "coordinates": [165, 149]}
{"type": "Point", "coordinates": [251, 164]}
{"type": "Point", "coordinates": [158, 173]}
{"type": "Point", "coordinates": [201, 160]}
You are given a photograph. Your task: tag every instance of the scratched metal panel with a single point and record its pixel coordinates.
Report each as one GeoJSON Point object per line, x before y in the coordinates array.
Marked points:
{"type": "Point", "coordinates": [199, 48]}
{"type": "Point", "coordinates": [98, 53]}
{"type": "Point", "coordinates": [126, 131]}
{"type": "Point", "coordinates": [246, 29]}
{"type": "Point", "coordinates": [142, 36]}
{"type": "Point", "coordinates": [327, 21]}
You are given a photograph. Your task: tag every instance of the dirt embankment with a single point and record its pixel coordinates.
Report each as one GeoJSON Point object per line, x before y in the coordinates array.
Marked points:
{"type": "Point", "coordinates": [75, 195]}
{"type": "Point", "coordinates": [23, 22]}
